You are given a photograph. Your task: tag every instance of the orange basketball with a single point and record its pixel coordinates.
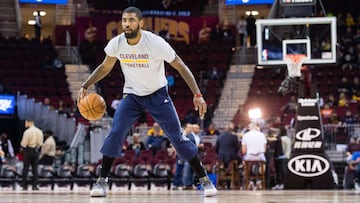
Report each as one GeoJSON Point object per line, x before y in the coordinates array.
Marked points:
{"type": "Point", "coordinates": [92, 107]}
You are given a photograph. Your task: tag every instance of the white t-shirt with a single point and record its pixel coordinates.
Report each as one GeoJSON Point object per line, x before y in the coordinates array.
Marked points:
{"type": "Point", "coordinates": [254, 141]}
{"type": "Point", "coordinates": [142, 64]}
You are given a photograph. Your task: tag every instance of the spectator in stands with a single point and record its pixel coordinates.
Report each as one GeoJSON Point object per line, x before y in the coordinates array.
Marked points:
{"type": "Point", "coordinates": [156, 139]}
{"type": "Point", "coordinates": [331, 101]}
{"type": "Point", "coordinates": [251, 29]}
{"type": "Point", "coordinates": [343, 100]}
{"type": "Point", "coordinates": [349, 20]}
{"type": "Point", "coordinates": [7, 147]}
{"type": "Point", "coordinates": [216, 33]}
{"type": "Point", "coordinates": [347, 37]}
{"type": "Point", "coordinates": [241, 28]}
{"type": "Point", "coordinates": [204, 34]}
{"type": "Point", "coordinates": [334, 118]}
{"type": "Point", "coordinates": [352, 146]}
{"type": "Point", "coordinates": [212, 130]}
{"type": "Point", "coordinates": [340, 21]}
{"type": "Point", "coordinates": [191, 117]}
{"type": "Point", "coordinates": [354, 165]}
{"type": "Point", "coordinates": [2, 157]}
{"type": "Point", "coordinates": [348, 118]}
{"type": "Point", "coordinates": [349, 58]}
{"type": "Point", "coordinates": [291, 106]}
{"type": "Point", "coordinates": [198, 139]}
{"type": "Point", "coordinates": [356, 97]}
{"type": "Point", "coordinates": [47, 153]}
{"type": "Point", "coordinates": [227, 145]}
{"type": "Point", "coordinates": [47, 103]}
{"type": "Point", "coordinates": [214, 73]}
{"type": "Point", "coordinates": [37, 26]}
{"type": "Point", "coordinates": [182, 175]}
{"type": "Point", "coordinates": [188, 175]}
{"type": "Point", "coordinates": [356, 38]}
{"type": "Point", "coordinates": [254, 144]}
{"type": "Point", "coordinates": [64, 109]}
{"type": "Point", "coordinates": [137, 145]}
{"type": "Point", "coordinates": [228, 34]}
{"type": "Point", "coordinates": [355, 86]}
{"type": "Point", "coordinates": [89, 47]}
{"type": "Point", "coordinates": [326, 45]}
{"type": "Point", "coordinates": [326, 112]}
{"type": "Point", "coordinates": [114, 104]}
{"type": "Point", "coordinates": [170, 79]}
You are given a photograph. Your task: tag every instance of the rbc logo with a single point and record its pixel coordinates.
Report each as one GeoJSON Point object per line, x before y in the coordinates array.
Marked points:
{"type": "Point", "coordinates": [308, 134]}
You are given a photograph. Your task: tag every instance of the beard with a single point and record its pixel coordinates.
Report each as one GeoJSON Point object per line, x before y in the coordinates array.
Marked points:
{"type": "Point", "coordinates": [132, 34]}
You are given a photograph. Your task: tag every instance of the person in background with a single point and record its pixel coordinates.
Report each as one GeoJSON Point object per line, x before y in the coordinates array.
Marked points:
{"type": "Point", "coordinates": [241, 27]}
{"type": "Point", "coordinates": [183, 173]}
{"type": "Point", "coordinates": [30, 144]}
{"type": "Point", "coordinates": [37, 26]}
{"type": "Point", "coordinates": [354, 165]}
{"type": "Point", "coordinates": [227, 145]}
{"type": "Point", "coordinates": [156, 139]}
{"type": "Point", "coordinates": [170, 79]}
{"type": "Point", "coordinates": [136, 144]}
{"type": "Point", "coordinates": [212, 130]}
{"type": "Point", "coordinates": [254, 145]}
{"type": "Point", "coordinates": [7, 147]}
{"type": "Point", "coordinates": [48, 149]}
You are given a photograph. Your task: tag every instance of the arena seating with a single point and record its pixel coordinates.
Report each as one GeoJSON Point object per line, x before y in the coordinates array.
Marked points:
{"type": "Point", "coordinates": [26, 67]}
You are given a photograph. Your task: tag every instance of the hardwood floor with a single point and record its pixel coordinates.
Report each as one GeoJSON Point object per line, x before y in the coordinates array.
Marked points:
{"type": "Point", "coordinates": [168, 196]}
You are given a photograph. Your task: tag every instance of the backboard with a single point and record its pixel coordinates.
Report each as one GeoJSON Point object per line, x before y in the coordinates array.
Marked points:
{"type": "Point", "coordinates": [314, 37]}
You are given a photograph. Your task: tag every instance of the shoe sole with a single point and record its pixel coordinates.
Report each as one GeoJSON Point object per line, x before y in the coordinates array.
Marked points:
{"type": "Point", "coordinates": [97, 194]}
{"type": "Point", "coordinates": [210, 193]}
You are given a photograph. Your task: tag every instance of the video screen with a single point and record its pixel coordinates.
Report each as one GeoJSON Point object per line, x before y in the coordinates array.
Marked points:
{"type": "Point", "coordinates": [44, 1]}
{"type": "Point", "coordinates": [7, 104]}
{"type": "Point", "coordinates": [248, 2]}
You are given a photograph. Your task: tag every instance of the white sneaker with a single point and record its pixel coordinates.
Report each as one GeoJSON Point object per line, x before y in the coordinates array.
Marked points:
{"type": "Point", "coordinates": [276, 187]}
{"type": "Point", "coordinates": [259, 185]}
{"type": "Point", "coordinates": [281, 187]}
{"type": "Point", "coordinates": [251, 186]}
{"type": "Point", "coordinates": [99, 189]}
{"type": "Point", "coordinates": [208, 186]}
{"type": "Point", "coordinates": [357, 186]}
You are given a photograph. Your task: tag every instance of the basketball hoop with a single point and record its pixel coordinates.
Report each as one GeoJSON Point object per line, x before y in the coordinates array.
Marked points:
{"type": "Point", "coordinates": [294, 63]}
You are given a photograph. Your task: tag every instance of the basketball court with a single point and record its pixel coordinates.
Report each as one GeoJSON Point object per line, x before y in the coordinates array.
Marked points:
{"type": "Point", "coordinates": [225, 196]}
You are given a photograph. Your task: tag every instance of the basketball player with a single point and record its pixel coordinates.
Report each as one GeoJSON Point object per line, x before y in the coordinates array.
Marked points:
{"type": "Point", "coordinates": [142, 55]}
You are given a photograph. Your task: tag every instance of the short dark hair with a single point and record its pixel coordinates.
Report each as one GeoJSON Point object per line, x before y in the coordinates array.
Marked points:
{"type": "Point", "coordinates": [133, 9]}
{"type": "Point", "coordinates": [49, 132]}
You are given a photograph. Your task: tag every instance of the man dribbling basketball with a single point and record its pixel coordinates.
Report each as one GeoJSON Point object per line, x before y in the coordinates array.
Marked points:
{"type": "Point", "coordinates": [142, 55]}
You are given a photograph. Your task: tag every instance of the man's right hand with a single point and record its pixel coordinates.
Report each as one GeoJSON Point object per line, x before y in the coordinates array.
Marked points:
{"type": "Point", "coordinates": [82, 93]}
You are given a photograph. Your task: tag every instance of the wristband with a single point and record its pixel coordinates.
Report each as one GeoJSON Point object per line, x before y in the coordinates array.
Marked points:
{"type": "Point", "coordinates": [198, 95]}
{"type": "Point", "coordinates": [84, 87]}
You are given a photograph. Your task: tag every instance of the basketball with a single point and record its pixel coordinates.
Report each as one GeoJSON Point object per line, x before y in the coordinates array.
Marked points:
{"type": "Point", "coordinates": [92, 107]}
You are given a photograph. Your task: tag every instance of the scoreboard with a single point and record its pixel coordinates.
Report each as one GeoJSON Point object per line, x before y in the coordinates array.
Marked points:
{"type": "Point", "coordinates": [297, 2]}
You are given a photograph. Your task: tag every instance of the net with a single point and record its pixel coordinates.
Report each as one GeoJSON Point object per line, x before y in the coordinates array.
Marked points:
{"type": "Point", "coordinates": [294, 63]}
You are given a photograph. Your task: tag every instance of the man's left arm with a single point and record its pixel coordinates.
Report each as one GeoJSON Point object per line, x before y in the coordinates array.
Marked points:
{"type": "Point", "coordinates": [199, 102]}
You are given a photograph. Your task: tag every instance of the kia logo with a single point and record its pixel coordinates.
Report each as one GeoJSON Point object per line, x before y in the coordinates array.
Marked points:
{"type": "Point", "coordinates": [308, 165]}
{"type": "Point", "coordinates": [308, 134]}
